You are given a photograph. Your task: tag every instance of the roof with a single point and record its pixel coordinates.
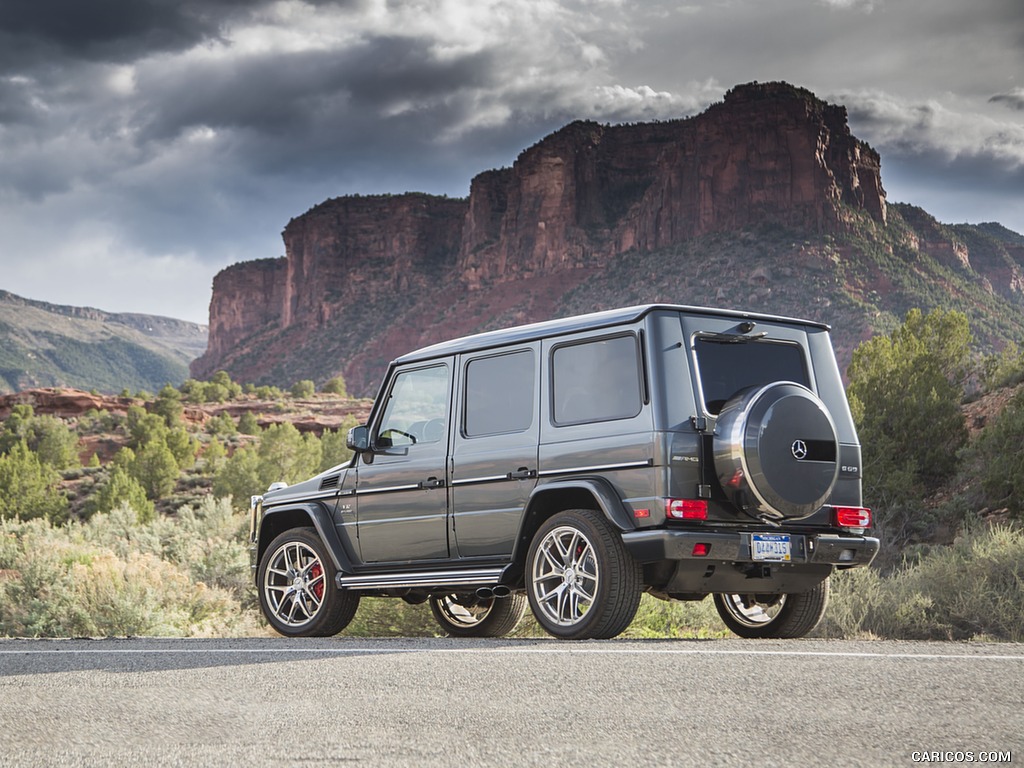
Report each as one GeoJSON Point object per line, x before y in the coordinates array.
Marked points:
{"type": "Point", "coordinates": [534, 331]}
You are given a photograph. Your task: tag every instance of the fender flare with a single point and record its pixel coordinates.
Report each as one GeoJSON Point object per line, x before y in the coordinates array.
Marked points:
{"type": "Point", "coordinates": [317, 514]}
{"type": "Point", "coordinates": [539, 508]}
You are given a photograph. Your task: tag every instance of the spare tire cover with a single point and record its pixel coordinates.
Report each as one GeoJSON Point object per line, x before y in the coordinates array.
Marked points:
{"type": "Point", "coordinates": [775, 450]}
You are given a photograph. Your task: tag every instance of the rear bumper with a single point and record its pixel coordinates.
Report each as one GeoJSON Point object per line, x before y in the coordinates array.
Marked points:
{"type": "Point", "coordinates": [734, 547]}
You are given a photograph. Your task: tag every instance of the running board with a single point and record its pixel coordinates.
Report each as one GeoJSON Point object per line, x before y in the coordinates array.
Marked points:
{"type": "Point", "coordinates": [477, 577]}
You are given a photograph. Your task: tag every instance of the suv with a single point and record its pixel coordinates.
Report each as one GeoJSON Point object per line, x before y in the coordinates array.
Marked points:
{"type": "Point", "coordinates": [573, 465]}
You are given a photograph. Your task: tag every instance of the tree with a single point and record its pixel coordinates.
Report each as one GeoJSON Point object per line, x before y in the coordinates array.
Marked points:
{"type": "Point", "coordinates": [143, 426]}
{"type": "Point", "coordinates": [247, 424]}
{"type": "Point", "coordinates": [183, 446]}
{"type": "Point", "coordinates": [168, 405]}
{"type": "Point", "coordinates": [333, 444]}
{"type": "Point", "coordinates": [155, 468]}
{"type": "Point", "coordinates": [240, 476]}
{"type": "Point", "coordinates": [905, 392]}
{"type": "Point", "coordinates": [122, 488]}
{"type": "Point", "coordinates": [47, 436]}
{"type": "Point", "coordinates": [28, 487]}
{"type": "Point", "coordinates": [287, 455]}
{"type": "Point", "coordinates": [214, 457]}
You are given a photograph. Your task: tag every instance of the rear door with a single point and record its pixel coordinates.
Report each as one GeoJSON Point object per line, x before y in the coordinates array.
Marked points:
{"type": "Point", "coordinates": [494, 458]}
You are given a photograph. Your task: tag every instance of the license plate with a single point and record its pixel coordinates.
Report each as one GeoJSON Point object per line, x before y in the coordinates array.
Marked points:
{"type": "Point", "coordinates": [774, 547]}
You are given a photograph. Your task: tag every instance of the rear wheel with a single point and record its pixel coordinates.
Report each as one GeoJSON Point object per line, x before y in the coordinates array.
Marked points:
{"type": "Point", "coordinates": [297, 590]}
{"type": "Point", "coordinates": [581, 581]}
{"type": "Point", "coordinates": [472, 616]}
{"type": "Point", "coordinates": [774, 616]}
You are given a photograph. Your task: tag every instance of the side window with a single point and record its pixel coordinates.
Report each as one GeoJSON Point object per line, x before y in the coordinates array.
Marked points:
{"type": "Point", "coordinates": [417, 409]}
{"type": "Point", "coordinates": [596, 381]}
{"type": "Point", "coordinates": [499, 394]}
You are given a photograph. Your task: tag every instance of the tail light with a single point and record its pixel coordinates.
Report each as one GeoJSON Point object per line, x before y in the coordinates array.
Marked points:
{"type": "Point", "coordinates": [856, 519]}
{"type": "Point", "coordinates": [686, 509]}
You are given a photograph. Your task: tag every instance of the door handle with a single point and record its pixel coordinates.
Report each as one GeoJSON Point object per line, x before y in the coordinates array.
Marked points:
{"type": "Point", "coordinates": [522, 474]}
{"type": "Point", "coordinates": [432, 482]}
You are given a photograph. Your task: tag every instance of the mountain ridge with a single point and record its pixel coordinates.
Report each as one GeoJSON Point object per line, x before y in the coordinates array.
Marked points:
{"type": "Point", "coordinates": [765, 201]}
{"type": "Point", "coordinates": [47, 345]}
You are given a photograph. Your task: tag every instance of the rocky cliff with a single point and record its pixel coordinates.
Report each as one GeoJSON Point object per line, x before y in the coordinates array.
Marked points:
{"type": "Point", "coordinates": [367, 278]}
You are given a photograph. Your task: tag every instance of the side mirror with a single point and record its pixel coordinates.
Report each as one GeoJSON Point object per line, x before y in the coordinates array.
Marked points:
{"type": "Point", "coordinates": [358, 439]}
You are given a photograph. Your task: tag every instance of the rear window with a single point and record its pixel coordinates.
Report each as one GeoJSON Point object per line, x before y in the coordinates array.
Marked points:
{"type": "Point", "coordinates": [726, 368]}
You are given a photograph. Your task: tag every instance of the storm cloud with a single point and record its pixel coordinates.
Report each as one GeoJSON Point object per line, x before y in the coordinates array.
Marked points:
{"type": "Point", "coordinates": [146, 144]}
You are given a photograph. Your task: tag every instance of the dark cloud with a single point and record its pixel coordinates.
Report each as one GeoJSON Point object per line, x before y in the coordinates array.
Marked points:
{"type": "Point", "coordinates": [110, 30]}
{"type": "Point", "coordinates": [191, 131]}
{"type": "Point", "coordinates": [1013, 100]}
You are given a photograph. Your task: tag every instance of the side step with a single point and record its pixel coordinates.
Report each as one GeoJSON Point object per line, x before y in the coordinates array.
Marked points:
{"type": "Point", "coordinates": [413, 579]}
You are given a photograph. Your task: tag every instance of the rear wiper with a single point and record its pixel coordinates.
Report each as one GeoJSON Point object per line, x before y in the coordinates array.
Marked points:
{"type": "Point", "coordinates": [732, 338]}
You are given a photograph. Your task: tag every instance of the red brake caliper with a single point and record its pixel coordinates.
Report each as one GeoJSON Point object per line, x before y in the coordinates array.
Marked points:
{"type": "Point", "coordinates": [318, 588]}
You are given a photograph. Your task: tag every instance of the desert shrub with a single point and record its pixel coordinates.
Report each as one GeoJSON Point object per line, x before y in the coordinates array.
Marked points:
{"type": "Point", "coordinates": [973, 589]}
{"type": "Point", "coordinates": [336, 386]}
{"type": "Point", "coordinates": [303, 389]}
{"type": "Point", "coordinates": [186, 575]}
{"type": "Point", "coordinates": [69, 582]}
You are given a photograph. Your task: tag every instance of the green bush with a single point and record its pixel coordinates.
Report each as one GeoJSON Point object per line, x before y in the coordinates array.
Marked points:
{"type": "Point", "coordinates": [336, 386]}
{"type": "Point", "coordinates": [303, 389]}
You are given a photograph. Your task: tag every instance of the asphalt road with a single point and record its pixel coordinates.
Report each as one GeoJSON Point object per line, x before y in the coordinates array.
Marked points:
{"type": "Point", "coordinates": [448, 702]}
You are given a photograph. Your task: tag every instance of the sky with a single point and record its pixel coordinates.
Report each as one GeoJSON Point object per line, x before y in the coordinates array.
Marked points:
{"type": "Point", "coordinates": [147, 144]}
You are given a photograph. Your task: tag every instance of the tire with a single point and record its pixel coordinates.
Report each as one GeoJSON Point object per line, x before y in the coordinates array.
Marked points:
{"type": "Point", "coordinates": [580, 580]}
{"type": "Point", "coordinates": [773, 616]}
{"type": "Point", "coordinates": [297, 590]}
{"type": "Point", "coordinates": [471, 616]}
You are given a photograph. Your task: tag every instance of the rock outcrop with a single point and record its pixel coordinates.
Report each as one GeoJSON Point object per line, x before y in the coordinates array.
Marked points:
{"type": "Point", "coordinates": [366, 278]}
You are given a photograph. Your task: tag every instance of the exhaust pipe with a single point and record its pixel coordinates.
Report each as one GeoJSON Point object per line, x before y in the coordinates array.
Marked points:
{"type": "Point", "coordinates": [499, 590]}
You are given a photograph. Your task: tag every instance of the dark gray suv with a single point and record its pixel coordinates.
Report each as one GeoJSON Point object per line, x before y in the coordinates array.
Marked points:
{"type": "Point", "coordinates": [574, 465]}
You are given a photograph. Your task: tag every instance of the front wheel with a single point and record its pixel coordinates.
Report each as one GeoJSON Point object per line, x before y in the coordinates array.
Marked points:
{"type": "Point", "coordinates": [297, 590]}
{"type": "Point", "coordinates": [581, 581]}
{"type": "Point", "coordinates": [773, 616]}
{"type": "Point", "coordinates": [472, 616]}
